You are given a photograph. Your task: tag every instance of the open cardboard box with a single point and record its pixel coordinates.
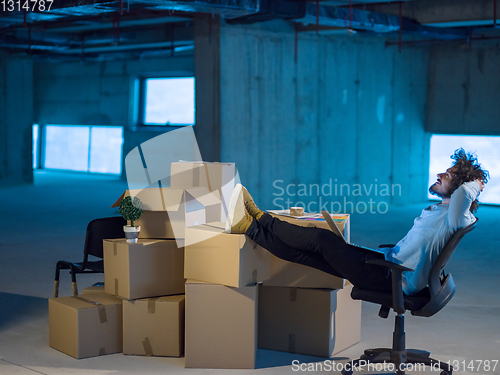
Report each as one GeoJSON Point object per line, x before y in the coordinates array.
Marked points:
{"type": "Point", "coordinates": [168, 211]}
{"type": "Point", "coordinates": [216, 177]}
{"type": "Point", "coordinates": [342, 220]}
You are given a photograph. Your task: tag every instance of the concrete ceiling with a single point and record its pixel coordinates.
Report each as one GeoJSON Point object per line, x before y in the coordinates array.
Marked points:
{"type": "Point", "coordinates": [99, 28]}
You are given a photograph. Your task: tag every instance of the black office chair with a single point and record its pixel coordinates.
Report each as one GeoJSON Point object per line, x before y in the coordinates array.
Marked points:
{"type": "Point", "coordinates": [97, 231]}
{"type": "Point", "coordinates": [426, 303]}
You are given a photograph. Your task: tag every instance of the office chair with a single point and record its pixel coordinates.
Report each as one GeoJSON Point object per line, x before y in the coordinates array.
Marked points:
{"type": "Point", "coordinates": [97, 231]}
{"type": "Point", "coordinates": [426, 303]}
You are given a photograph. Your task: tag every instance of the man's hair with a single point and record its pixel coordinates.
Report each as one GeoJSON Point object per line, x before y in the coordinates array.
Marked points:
{"type": "Point", "coordinates": [466, 168]}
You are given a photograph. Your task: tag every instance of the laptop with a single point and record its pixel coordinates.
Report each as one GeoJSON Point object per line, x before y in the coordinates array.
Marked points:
{"type": "Point", "coordinates": [335, 229]}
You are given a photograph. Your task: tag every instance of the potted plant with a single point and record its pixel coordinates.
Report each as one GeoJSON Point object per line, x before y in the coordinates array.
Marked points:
{"type": "Point", "coordinates": [131, 209]}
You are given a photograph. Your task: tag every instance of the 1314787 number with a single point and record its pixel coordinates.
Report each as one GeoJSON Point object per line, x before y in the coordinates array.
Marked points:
{"type": "Point", "coordinates": [26, 5]}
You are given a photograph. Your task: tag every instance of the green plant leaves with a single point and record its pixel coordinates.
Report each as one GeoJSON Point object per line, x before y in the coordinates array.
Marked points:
{"type": "Point", "coordinates": [131, 208]}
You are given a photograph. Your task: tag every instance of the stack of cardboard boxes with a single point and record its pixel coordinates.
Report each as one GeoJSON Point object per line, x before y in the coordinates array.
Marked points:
{"type": "Point", "coordinates": [307, 311]}
{"type": "Point", "coordinates": [188, 288]}
{"type": "Point", "coordinates": [141, 308]}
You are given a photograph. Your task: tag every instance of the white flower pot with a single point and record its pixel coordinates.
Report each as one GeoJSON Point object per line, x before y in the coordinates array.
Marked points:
{"type": "Point", "coordinates": [131, 233]}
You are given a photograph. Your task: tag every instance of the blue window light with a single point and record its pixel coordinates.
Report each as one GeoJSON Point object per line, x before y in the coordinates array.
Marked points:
{"type": "Point", "coordinates": [67, 147]}
{"type": "Point", "coordinates": [95, 149]}
{"type": "Point", "coordinates": [169, 101]}
{"type": "Point", "coordinates": [106, 149]}
{"type": "Point", "coordinates": [35, 150]}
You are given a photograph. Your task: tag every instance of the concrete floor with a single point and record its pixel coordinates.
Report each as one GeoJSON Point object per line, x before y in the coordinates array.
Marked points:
{"type": "Point", "coordinates": [45, 223]}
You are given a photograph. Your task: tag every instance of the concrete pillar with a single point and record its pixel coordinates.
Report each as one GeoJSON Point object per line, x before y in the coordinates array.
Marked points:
{"type": "Point", "coordinates": [207, 85]}
{"type": "Point", "coordinates": [16, 120]}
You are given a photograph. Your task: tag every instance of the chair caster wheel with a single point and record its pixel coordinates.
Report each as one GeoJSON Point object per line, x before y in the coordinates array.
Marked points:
{"type": "Point", "coordinates": [348, 371]}
{"type": "Point", "coordinates": [444, 372]}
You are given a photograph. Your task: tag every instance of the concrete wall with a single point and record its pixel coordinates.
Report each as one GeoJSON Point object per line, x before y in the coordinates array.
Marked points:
{"type": "Point", "coordinates": [349, 112]}
{"type": "Point", "coordinates": [16, 120]}
{"type": "Point", "coordinates": [348, 115]}
{"type": "Point", "coordinates": [99, 93]}
{"type": "Point", "coordinates": [463, 89]}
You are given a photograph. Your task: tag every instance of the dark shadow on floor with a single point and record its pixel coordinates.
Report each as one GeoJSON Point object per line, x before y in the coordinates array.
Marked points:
{"type": "Point", "coordinates": [17, 308]}
{"type": "Point", "coordinates": [273, 358]}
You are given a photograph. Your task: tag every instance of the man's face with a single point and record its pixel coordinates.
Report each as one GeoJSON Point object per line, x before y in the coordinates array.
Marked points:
{"type": "Point", "coordinates": [443, 186]}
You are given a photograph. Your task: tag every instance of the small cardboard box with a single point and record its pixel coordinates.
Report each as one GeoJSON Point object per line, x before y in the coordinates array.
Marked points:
{"type": "Point", "coordinates": [216, 177]}
{"type": "Point", "coordinates": [148, 268]}
{"type": "Point", "coordinates": [154, 326]}
{"type": "Point", "coordinates": [229, 259]}
{"type": "Point", "coordinates": [167, 211]}
{"type": "Point", "coordinates": [284, 273]}
{"type": "Point", "coordinates": [221, 326]}
{"type": "Point", "coordinates": [317, 322]}
{"type": "Point", "coordinates": [86, 326]}
{"type": "Point", "coordinates": [342, 221]}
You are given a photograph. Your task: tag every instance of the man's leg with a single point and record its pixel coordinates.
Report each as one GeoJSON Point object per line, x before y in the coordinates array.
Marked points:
{"type": "Point", "coordinates": [275, 246]}
{"type": "Point", "coordinates": [346, 260]}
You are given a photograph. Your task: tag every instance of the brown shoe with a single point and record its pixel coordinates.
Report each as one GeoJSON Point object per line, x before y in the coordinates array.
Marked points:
{"type": "Point", "coordinates": [238, 219]}
{"type": "Point", "coordinates": [250, 205]}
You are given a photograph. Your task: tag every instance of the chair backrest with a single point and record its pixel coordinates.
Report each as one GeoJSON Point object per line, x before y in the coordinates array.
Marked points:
{"type": "Point", "coordinates": [442, 289]}
{"type": "Point", "coordinates": [100, 229]}
{"type": "Point", "coordinates": [434, 279]}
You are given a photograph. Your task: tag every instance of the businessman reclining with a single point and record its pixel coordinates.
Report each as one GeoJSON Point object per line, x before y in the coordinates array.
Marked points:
{"type": "Point", "coordinates": [458, 187]}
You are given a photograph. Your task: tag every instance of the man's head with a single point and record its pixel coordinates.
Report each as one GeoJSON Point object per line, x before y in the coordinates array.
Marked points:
{"type": "Point", "coordinates": [465, 168]}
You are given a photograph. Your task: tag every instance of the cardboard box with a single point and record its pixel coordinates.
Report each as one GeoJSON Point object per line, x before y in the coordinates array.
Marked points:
{"type": "Point", "coordinates": [148, 268]}
{"type": "Point", "coordinates": [167, 211]}
{"type": "Point", "coordinates": [86, 326]}
{"type": "Point", "coordinates": [221, 326]}
{"type": "Point", "coordinates": [96, 288]}
{"type": "Point", "coordinates": [284, 273]}
{"type": "Point", "coordinates": [154, 326]}
{"type": "Point", "coordinates": [317, 322]}
{"type": "Point", "coordinates": [216, 177]}
{"type": "Point", "coordinates": [228, 259]}
{"type": "Point", "coordinates": [342, 220]}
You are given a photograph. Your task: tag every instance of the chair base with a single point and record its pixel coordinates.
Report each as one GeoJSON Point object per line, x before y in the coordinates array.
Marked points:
{"type": "Point", "coordinates": [396, 361]}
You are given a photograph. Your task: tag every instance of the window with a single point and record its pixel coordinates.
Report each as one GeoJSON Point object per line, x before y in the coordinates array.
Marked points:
{"type": "Point", "coordinates": [36, 149]}
{"type": "Point", "coordinates": [487, 149]}
{"type": "Point", "coordinates": [168, 101]}
{"type": "Point", "coordinates": [80, 148]}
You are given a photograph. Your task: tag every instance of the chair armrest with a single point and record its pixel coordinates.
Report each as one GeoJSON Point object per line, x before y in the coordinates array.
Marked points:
{"type": "Point", "coordinates": [387, 264]}
{"type": "Point", "coordinates": [398, 304]}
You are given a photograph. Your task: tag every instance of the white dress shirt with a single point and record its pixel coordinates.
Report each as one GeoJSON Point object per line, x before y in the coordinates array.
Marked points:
{"type": "Point", "coordinates": [431, 230]}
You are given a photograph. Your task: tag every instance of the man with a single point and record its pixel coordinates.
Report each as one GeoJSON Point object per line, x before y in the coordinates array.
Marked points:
{"type": "Point", "coordinates": [458, 188]}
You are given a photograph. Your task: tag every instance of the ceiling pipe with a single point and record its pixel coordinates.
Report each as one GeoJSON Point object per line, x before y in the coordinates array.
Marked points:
{"type": "Point", "coordinates": [249, 11]}
{"type": "Point", "coordinates": [494, 13]}
{"type": "Point", "coordinates": [92, 26]}
{"type": "Point", "coordinates": [468, 40]}
{"type": "Point", "coordinates": [272, 10]}
{"type": "Point", "coordinates": [359, 19]}
{"type": "Point", "coordinates": [226, 8]}
{"type": "Point", "coordinates": [400, 33]}
{"type": "Point", "coordinates": [179, 45]}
